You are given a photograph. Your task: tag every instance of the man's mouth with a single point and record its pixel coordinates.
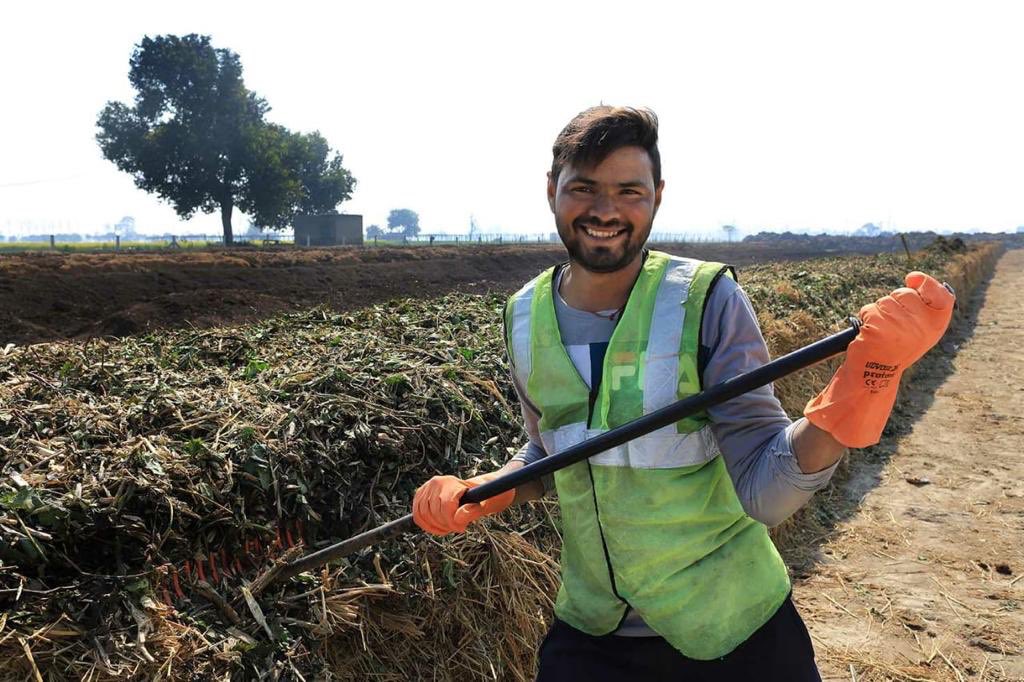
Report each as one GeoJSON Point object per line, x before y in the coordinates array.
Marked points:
{"type": "Point", "coordinates": [603, 232]}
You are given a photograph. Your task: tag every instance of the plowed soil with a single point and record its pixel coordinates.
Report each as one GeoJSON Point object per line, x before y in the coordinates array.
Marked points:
{"type": "Point", "coordinates": [924, 577]}
{"type": "Point", "coordinates": [46, 297]}
{"type": "Point", "coordinates": [51, 296]}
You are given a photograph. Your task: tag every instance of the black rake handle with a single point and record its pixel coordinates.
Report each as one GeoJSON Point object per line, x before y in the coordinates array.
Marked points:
{"type": "Point", "coordinates": [720, 393]}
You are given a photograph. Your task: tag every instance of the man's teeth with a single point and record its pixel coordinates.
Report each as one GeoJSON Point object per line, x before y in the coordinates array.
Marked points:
{"type": "Point", "coordinates": [601, 234]}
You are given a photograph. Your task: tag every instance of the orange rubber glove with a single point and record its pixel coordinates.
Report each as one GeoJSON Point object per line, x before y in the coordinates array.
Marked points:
{"type": "Point", "coordinates": [435, 508]}
{"type": "Point", "coordinates": [896, 331]}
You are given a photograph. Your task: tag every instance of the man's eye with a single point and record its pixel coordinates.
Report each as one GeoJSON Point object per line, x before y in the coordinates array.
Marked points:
{"type": "Point", "coordinates": [630, 191]}
{"type": "Point", "coordinates": [581, 188]}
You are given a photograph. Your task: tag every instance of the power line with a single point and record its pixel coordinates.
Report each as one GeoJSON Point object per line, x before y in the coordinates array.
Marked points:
{"type": "Point", "coordinates": [43, 181]}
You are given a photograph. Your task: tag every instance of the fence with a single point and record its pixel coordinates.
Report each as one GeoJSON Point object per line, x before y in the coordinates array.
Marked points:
{"type": "Point", "coordinates": [435, 238]}
{"type": "Point", "coordinates": [71, 243]}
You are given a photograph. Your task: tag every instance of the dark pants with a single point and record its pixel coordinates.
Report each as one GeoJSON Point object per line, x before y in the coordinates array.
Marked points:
{"type": "Point", "coordinates": [780, 650]}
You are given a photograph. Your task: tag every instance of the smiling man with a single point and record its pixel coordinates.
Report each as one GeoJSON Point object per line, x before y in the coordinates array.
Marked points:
{"type": "Point", "coordinates": [668, 572]}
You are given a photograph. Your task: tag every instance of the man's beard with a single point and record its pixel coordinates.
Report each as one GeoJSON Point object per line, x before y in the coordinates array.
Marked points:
{"type": "Point", "coordinates": [598, 258]}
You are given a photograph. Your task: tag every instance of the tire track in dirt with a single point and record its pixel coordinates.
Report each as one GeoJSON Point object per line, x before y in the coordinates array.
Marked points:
{"type": "Point", "coordinates": [925, 581]}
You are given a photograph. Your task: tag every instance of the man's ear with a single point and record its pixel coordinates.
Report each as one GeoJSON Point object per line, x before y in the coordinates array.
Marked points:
{"type": "Point", "coordinates": [552, 187]}
{"type": "Point", "coordinates": [657, 195]}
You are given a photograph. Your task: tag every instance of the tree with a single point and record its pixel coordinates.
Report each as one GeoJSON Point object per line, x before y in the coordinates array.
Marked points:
{"type": "Point", "coordinates": [290, 173]}
{"type": "Point", "coordinates": [198, 138]}
{"type": "Point", "coordinates": [125, 227]}
{"type": "Point", "coordinates": [404, 220]}
{"type": "Point", "coordinates": [729, 230]}
{"type": "Point", "coordinates": [374, 231]}
{"type": "Point", "coordinates": [323, 180]}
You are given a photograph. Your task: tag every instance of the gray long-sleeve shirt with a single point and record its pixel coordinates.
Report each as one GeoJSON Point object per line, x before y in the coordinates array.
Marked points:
{"type": "Point", "coordinates": [752, 431]}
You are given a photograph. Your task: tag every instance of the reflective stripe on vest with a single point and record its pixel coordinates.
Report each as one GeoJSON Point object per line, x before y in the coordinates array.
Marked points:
{"type": "Point", "coordinates": [663, 381]}
{"type": "Point", "coordinates": [658, 450]}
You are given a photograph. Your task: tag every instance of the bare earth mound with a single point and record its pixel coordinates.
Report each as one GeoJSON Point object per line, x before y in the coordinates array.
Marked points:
{"type": "Point", "coordinates": [925, 580]}
{"type": "Point", "coordinates": [46, 296]}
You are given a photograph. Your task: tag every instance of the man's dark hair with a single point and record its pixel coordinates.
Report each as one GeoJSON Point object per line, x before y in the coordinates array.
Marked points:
{"type": "Point", "coordinates": [598, 131]}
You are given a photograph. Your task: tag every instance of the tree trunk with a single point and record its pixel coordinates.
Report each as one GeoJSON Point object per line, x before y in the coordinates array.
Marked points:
{"type": "Point", "coordinates": [225, 219]}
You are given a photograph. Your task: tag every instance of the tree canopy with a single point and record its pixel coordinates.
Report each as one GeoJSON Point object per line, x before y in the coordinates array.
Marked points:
{"type": "Point", "coordinates": [404, 220]}
{"type": "Point", "coordinates": [199, 139]}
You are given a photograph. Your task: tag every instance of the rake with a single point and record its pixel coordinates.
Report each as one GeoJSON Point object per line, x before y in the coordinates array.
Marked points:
{"type": "Point", "coordinates": [715, 395]}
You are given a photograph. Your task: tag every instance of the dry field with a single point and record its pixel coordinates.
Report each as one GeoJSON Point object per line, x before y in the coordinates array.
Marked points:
{"type": "Point", "coordinates": [50, 296]}
{"type": "Point", "coordinates": [145, 480]}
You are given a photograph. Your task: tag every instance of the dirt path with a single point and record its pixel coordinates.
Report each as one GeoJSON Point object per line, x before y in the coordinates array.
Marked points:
{"type": "Point", "coordinates": [925, 580]}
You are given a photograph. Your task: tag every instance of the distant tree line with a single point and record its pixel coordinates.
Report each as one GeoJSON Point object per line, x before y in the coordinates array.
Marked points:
{"type": "Point", "coordinates": [403, 223]}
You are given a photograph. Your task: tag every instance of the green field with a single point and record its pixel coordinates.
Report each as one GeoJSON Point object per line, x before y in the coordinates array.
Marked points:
{"type": "Point", "coordinates": [146, 245]}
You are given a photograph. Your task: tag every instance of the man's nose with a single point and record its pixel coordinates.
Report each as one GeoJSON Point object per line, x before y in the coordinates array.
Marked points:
{"type": "Point", "coordinates": [604, 208]}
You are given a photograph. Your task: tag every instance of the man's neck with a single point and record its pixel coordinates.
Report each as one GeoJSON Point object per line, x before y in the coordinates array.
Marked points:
{"type": "Point", "coordinates": [597, 291]}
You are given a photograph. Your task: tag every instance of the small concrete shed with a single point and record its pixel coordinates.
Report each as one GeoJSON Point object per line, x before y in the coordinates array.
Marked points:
{"type": "Point", "coordinates": [328, 230]}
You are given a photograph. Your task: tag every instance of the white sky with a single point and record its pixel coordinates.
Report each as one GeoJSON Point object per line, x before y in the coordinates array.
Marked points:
{"type": "Point", "coordinates": [774, 115]}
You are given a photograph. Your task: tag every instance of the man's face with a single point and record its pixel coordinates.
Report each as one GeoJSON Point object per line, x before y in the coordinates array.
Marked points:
{"type": "Point", "coordinates": [604, 214]}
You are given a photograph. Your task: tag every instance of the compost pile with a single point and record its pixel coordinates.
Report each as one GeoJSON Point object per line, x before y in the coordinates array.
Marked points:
{"type": "Point", "coordinates": [133, 470]}
{"type": "Point", "coordinates": [150, 486]}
